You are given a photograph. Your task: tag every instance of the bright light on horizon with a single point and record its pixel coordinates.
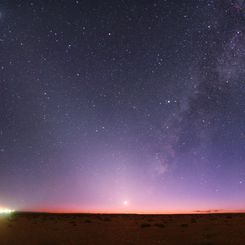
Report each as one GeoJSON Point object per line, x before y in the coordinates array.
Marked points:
{"type": "Point", "coordinates": [6, 211]}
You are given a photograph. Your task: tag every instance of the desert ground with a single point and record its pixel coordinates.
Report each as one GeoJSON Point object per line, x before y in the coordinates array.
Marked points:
{"type": "Point", "coordinates": [92, 229]}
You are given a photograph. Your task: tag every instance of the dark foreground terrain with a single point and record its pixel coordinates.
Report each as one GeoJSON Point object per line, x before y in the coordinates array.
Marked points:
{"type": "Point", "coordinates": [90, 229]}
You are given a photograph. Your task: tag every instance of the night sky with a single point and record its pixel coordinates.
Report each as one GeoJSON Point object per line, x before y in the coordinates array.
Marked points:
{"type": "Point", "coordinates": [122, 105]}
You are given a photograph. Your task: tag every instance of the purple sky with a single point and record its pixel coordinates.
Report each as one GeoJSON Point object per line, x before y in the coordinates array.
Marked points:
{"type": "Point", "coordinates": [121, 106]}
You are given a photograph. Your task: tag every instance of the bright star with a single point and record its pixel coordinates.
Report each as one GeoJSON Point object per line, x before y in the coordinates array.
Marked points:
{"type": "Point", "coordinates": [125, 203]}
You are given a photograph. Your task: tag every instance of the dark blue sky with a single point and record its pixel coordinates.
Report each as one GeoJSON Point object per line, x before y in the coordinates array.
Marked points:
{"type": "Point", "coordinates": [130, 106]}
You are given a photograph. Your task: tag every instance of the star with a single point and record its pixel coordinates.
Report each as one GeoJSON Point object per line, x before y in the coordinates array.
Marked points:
{"type": "Point", "coordinates": [125, 203]}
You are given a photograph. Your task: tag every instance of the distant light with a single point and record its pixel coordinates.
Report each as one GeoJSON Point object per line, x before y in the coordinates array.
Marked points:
{"type": "Point", "coordinates": [6, 211]}
{"type": "Point", "coordinates": [125, 203]}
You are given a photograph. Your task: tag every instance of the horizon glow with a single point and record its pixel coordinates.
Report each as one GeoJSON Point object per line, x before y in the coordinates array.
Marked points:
{"type": "Point", "coordinates": [6, 211]}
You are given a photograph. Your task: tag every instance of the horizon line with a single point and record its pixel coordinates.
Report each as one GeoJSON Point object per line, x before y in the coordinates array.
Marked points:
{"type": "Point", "coordinates": [221, 211]}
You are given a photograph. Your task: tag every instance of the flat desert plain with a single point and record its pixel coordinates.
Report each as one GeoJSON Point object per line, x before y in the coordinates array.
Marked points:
{"type": "Point", "coordinates": [110, 229]}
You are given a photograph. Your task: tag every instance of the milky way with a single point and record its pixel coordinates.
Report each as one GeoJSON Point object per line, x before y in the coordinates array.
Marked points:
{"type": "Point", "coordinates": [122, 105]}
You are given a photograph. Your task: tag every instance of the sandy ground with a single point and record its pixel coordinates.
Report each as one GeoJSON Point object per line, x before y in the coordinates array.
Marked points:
{"type": "Point", "coordinates": [54, 229]}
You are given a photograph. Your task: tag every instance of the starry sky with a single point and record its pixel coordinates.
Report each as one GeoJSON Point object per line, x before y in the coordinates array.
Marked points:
{"type": "Point", "coordinates": [122, 105]}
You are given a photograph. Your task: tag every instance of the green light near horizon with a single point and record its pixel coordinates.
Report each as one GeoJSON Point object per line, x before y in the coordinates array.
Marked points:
{"type": "Point", "coordinates": [6, 211]}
